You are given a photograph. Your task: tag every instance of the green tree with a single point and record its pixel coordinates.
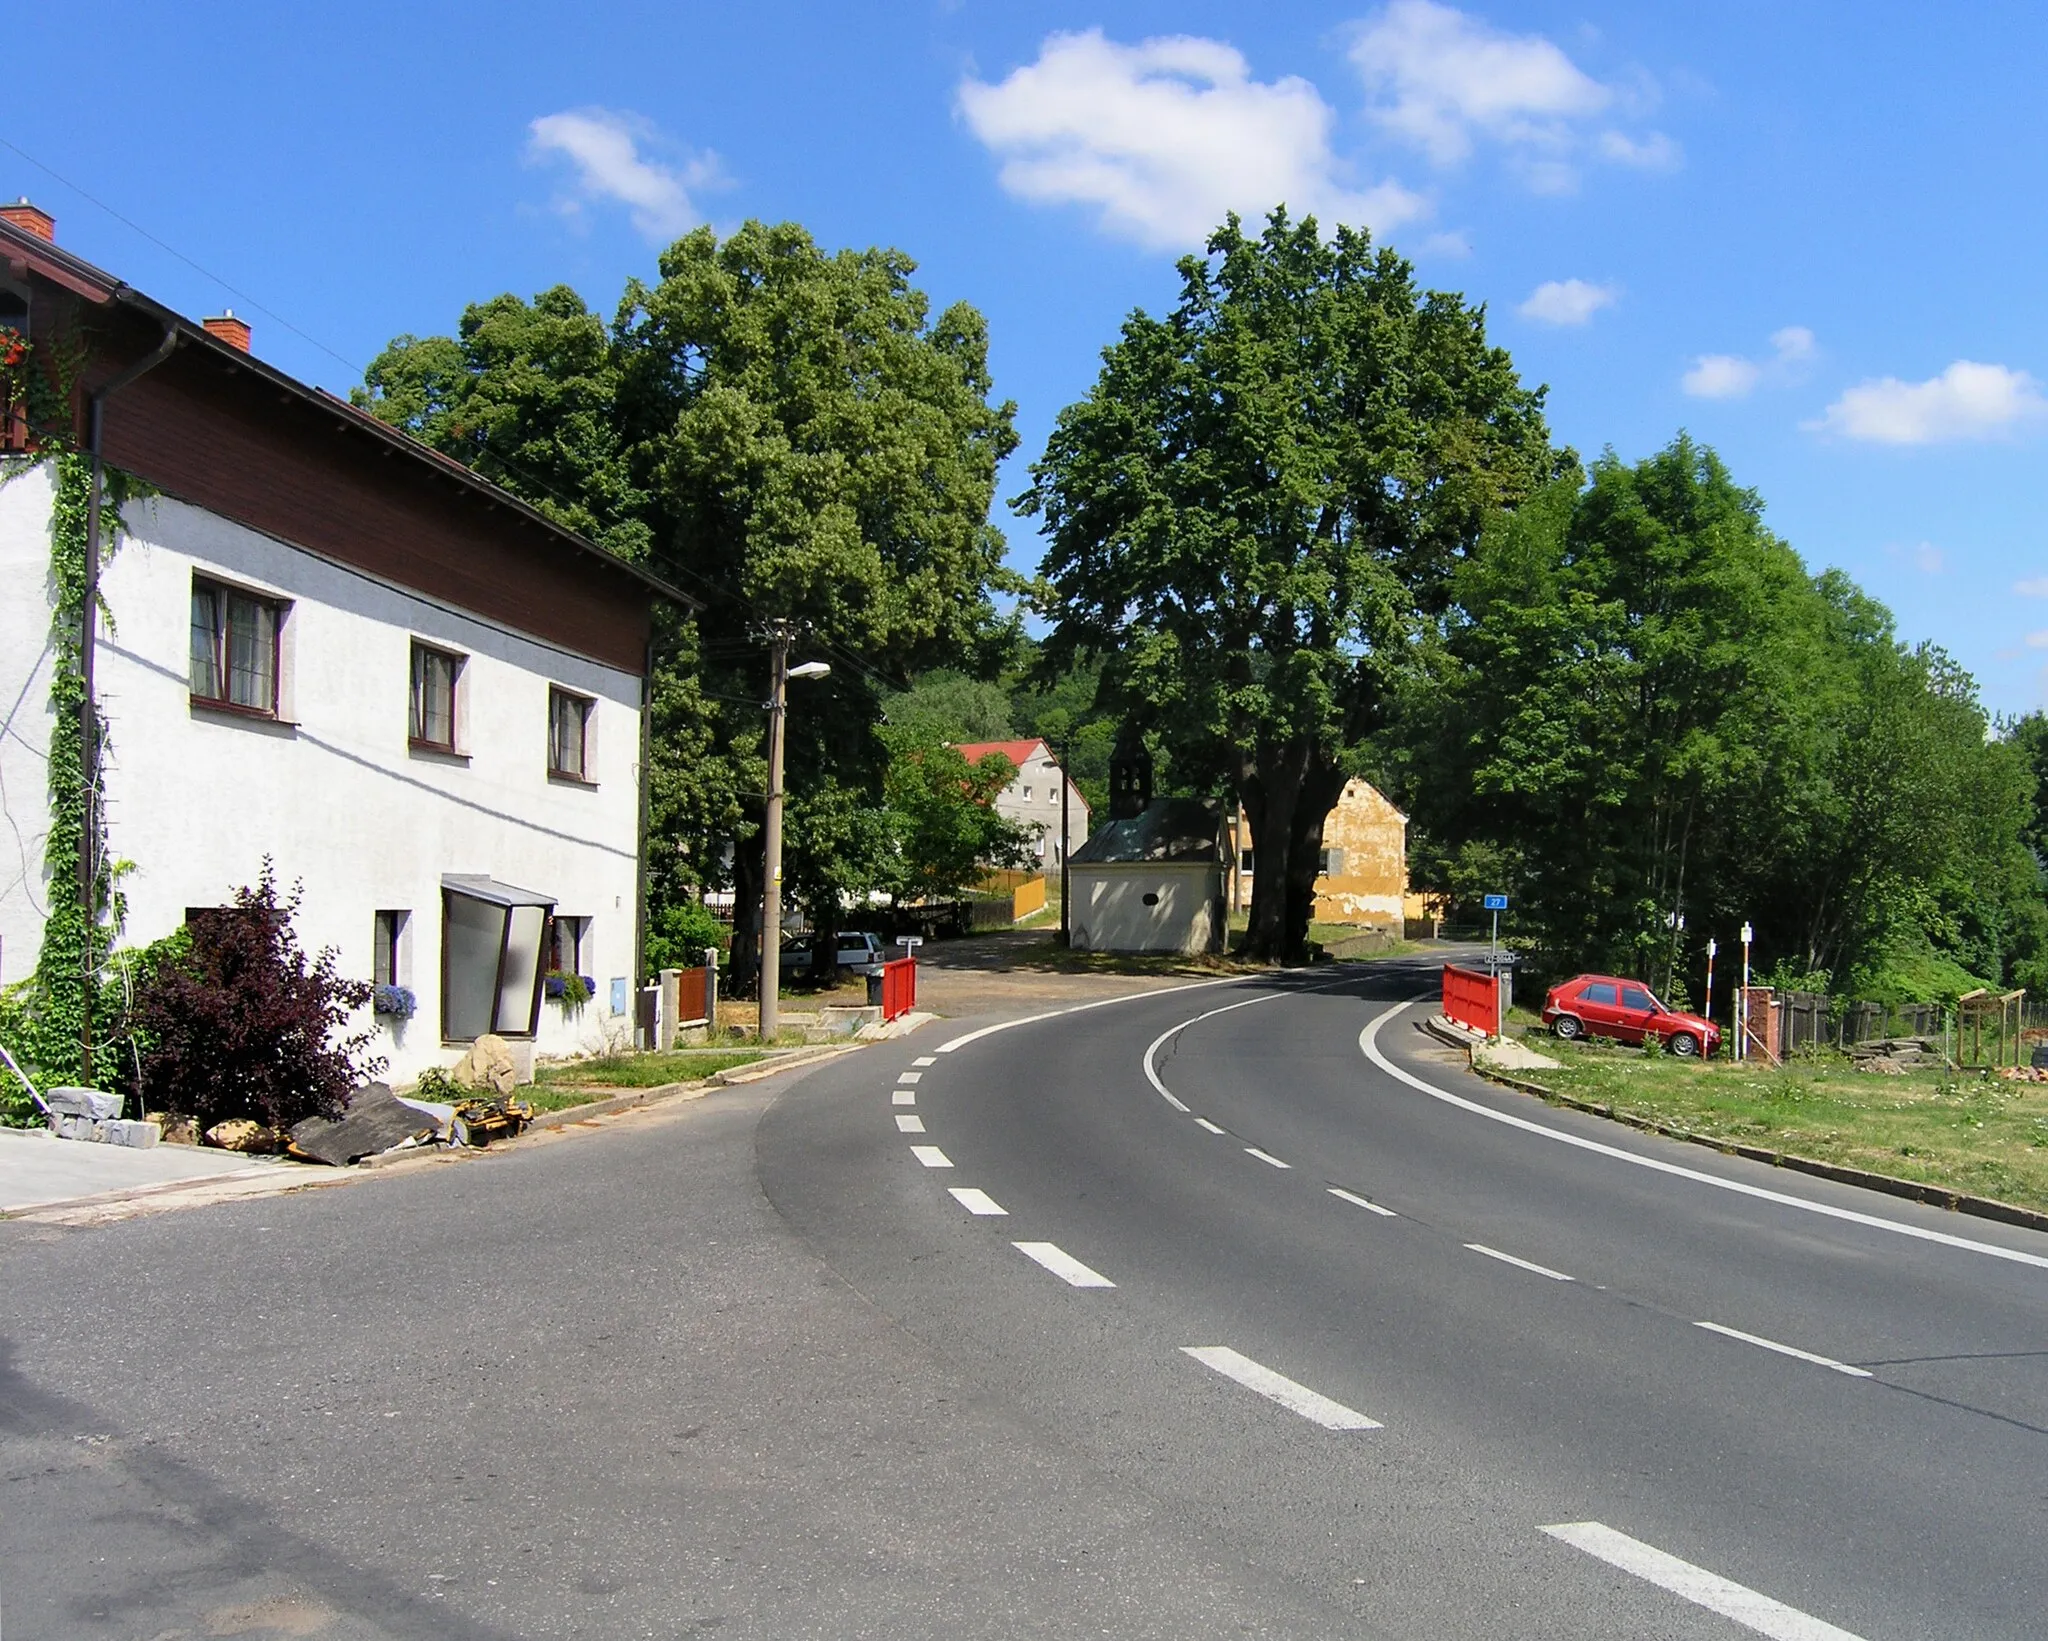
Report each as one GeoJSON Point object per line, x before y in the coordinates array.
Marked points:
{"type": "Point", "coordinates": [792, 434]}
{"type": "Point", "coordinates": [948, 705]}
{"type": "Point", "coordinates": [1258, 504]}
{"type": "Point", "coordinates": [947, 829]}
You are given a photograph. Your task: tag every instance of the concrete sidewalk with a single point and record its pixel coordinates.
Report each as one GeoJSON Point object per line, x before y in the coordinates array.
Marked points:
{"type": "Point", "coordinates": [36, 1167]}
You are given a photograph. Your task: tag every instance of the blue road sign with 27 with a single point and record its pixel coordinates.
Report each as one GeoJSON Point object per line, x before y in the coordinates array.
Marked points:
{"type": "Point", "coordinates": [1496, 903]}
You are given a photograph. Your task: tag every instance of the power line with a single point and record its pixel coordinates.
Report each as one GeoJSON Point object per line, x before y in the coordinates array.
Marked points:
{"type": "Point", "coordinates": [670, 566]}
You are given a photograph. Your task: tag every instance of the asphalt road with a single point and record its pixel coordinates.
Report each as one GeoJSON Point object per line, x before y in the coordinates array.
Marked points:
{"type": "Point", "coordinates": [1734, 1397]}
{"type": "Point", "coordinates": [751, 1367]}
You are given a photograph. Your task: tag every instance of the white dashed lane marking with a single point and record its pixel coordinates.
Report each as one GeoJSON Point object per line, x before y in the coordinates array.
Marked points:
{"type": "Point", "coordinates": [1276, 1388]}
{"type": "Point", "coordinates": [909, 1124]}
{"type": "Point", "coordinates": [1062, 1264]}
{"type": "Point", "coordinates": [1204, 1122]}
{"type": "Point", "coordinates": [910, 1076]}
{"type": "Point", "coordinates": [1521, 1264]}
{"type": "Point", "coordinates": [1704, 1589]}
{"type": "Point", "coordinates": [1266, 1157]}
{"type": "Point", "coordinates": [903, 1096]}
{"type": "Point", "coordinates": [1785, 1350]}
{"type": "Point", "coordinates": [1361, 1202]}
{"type": "Point", "coordinates": [976, 1201]}
{"type": "Point", "coordinates": [924, 1060]}
{"type": "Point", "coordinates": [931, 1156]}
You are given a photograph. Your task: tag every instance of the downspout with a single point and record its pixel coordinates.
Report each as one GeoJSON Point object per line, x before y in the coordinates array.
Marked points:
{"type": "Point", "coordinates": [88, 708]}
{"type": "Point", "coordinates": [637, 967]}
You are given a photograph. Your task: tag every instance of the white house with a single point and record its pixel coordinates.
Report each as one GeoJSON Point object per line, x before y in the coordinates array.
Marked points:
{"type": "Point", "coordinates": [1152, 883]}
{"type": "Point", "coordinates": [1035, 796]}
{"type": "Point", "coordinates": [326, 645]}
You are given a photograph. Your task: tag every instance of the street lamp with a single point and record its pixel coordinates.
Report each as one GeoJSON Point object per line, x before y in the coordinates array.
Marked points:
{"type": "Point", "coordinates": [1711, 949]}
{"type": "Point", "coordinates": [779, 674]}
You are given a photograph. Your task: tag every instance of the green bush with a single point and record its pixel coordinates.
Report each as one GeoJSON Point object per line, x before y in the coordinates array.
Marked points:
{"type": "Point", "coordinates": [677, 935]}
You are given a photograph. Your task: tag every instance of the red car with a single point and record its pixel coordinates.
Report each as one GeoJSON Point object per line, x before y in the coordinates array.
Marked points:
{"type": "Point", "coordinates": [1603, 1005]}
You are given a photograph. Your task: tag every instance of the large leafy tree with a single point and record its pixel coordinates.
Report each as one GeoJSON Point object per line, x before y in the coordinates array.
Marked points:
{"type": "Point", "coordinates": [1644, 718]}
{"type": "Point", "coordinates": [790, 433]}
{"type": "Point", "coordinates": [1256, 507]}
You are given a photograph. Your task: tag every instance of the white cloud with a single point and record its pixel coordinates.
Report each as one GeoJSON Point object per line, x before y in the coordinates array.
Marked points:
{"type": "Point", "coordinates": [2032, 587]}
{"type": "Point", "coordinates": [1443, 80]}
{"type": "Point", "coordinates": [2037, 640]}
{"type": "Point", "coordinates": [1966, 401]}
{"type": "Point", "coordinates": [1793, 343]}
{"type": "Point", "coordinates": [1924, 556]}
{"type": "Point", "coordinates": [605, 147]}
{"type": "Point", "coordinates": [1566, 301]}
{"type": "Point", "coordinates": [1653, 152]}
{"type": "Point", "coordinates": [1721, 376]}
{"type": "Point", "coordinates": [1167, 136]}
{"type": "Point", "coordinates": [1731, 376]}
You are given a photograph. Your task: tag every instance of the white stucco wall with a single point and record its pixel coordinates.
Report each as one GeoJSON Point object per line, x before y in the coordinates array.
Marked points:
{"type": "Point", "coordinates": [25, 603]}
{"type": "Point", "coordinates": [196, 798]}
{"type": "Point", "coordinates": [1110, 914]}
{"type": "Point", "coordinates": [1041, 776]}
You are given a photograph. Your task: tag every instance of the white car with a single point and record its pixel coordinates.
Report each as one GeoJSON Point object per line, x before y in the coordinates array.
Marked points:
{"type": "Point", "coordinates": [859, 951]}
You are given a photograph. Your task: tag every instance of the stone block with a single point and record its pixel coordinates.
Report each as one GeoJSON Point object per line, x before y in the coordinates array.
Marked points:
{"type": "Point", "coordinates": [91, 1103]}
{"type": "Point", "coordinates": [127, 1131]}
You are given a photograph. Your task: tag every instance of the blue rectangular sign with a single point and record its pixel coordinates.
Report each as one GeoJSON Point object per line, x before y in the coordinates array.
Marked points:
{"type": "Point", "coordinates": [1496, 903]}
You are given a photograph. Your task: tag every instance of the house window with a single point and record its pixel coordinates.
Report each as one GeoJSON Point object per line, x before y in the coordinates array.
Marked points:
{"type": "Point", "coordinates": [1027, 794]}
{"type": "Point", "coordinates": [568, 945]}
{"type": "Point", "coordinates": [1038, 848]}
{"type": "Point", "coordinates": [235, 648]}
{"type": "Point", "coordinates": [1052, 794]}
{"type": "Point", "coordinates": [388, 965]}
{"type": "Point", "coordinates": [435, 675]}
{"type": "Point", "coordinates": [1330, 863]}
{"type": "Point", "coordinates": [569, 734]}
{"type": "Point", "coordinates": [1244, 861]}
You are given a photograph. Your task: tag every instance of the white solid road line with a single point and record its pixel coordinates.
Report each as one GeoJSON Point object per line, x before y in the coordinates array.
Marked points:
{"type": "Point", "coordinates": [1062, 1264]}
{"type": "Point", "coordinates": [1275, 1388]}
{"type": "Point", "coordinates": [1717, 1594]}
{"type": "Point", "coordinates": [1204, 1122]}
{"type": "Point", "coordinates": [903, 1096]}
{"type": "Point", "coordinates": [1368, 1042]}
{"type": "Point", "coordinates": [1510, 1259]}
{"type": "Point", "coordinates": [1152, 1048]}
{"type": "Point", "coordinates": [910, 1076]}
{"type": "Point", "coordinates": [924, 1060]}
{"type": "Point", "coordinates": [1266, 1157]}
{"type": "Point", "coordinates": [1100, 1003]}
{"type": "Point", "coordinates": [977, 1202]}
{"type": "Point", "coordinates": [931, 1156]}
{"type": "Point", "coordinates": [1361, 1202]}
{"type": "Point", "coordinates": [909, 1124]}
{"type": "Point", "coordinates": [1786, 1350]}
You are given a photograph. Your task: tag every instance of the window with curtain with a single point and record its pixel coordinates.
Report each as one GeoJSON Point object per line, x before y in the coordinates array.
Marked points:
{"type": "Point", "coordinates": [435, 674]}
{"type": "Point", "coordinates": [235, 648]}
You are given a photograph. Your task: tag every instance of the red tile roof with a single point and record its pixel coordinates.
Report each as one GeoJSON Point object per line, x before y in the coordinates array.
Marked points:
{"type": "Point", "coordinates": [1016, 751]}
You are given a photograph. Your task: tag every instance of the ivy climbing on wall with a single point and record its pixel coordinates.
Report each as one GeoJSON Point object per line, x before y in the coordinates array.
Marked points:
{"type": "Point", "coordinates": [42, 1020]}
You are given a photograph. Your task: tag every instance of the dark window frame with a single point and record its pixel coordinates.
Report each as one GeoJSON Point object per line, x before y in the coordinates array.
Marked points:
{"type": "Point", "coordinates": [585, 706]}
{"type": "Point", "coordinates": [387, 965]}
{"type": "Point", "coordinates": [415, 718]}
{"type": "Point", "coordinates": [221, 633]}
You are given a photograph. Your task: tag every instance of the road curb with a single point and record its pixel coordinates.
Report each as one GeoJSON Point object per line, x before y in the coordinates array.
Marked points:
{"type": "Point", "coordinates": [1913, 1190]}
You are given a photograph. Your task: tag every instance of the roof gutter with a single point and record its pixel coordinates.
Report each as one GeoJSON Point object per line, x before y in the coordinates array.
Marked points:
{"type": "Point", "coordinates": [88, 705]}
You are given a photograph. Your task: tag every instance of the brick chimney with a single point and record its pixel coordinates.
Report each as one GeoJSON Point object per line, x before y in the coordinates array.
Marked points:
{"type": "Point", "coordinates": [31, 219]}
{"type": "Point", "coordinates": [227, 328]}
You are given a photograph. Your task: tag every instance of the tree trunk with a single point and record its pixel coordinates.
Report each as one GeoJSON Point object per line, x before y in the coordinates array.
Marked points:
{"type": "Point", "coordinates": [1321, 788]}
{"type": "Point", "coordinates": [745, 969]}
{"type": "Point", "coordinates": [1285, 804]}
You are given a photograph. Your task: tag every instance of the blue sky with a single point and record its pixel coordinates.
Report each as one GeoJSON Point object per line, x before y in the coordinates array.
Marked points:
{"type": "Point", "coordinates": [1810, 234]}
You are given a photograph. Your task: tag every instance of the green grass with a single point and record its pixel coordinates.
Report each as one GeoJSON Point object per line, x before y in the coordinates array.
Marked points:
{"type": "Point", "coordinates": [1962, 1131]}
{"type": "Point", "coordinates": [681, 1065]}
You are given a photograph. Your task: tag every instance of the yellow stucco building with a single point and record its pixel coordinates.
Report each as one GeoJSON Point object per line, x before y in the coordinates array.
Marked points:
{"type": "Point", "coordinates": [1364, 878]}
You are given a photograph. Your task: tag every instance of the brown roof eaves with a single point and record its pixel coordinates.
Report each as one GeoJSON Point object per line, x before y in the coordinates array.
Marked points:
{"type": "Point", "coordinates": [81, 278]}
